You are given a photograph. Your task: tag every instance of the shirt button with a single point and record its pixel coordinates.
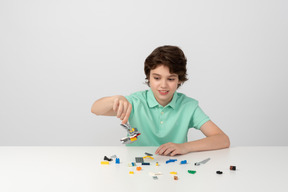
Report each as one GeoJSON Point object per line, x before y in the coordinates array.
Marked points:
{"type": "Point", "coordinates": [161, 122]}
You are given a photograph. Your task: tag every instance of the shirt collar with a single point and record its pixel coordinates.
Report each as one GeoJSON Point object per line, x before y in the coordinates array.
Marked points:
{"type": "Point", "coordinates": [152, 102]}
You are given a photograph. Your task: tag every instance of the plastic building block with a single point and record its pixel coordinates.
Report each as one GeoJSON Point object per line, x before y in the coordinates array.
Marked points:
{"type": "Point", "coordinates": [132, 164]}
{"type": "Point", "coordinates": [191, 171]}
{"type": "Point", "coordinates": [132, 132]}
{"type": "Point", "coordinates": [155, 177]}
{"type": "Point", "coordinates": [148, 157]}
{"type": "Point", "coordinates": [117, 161]}
{"type": "Point", "coordinates": [145, 163]}
{"type": "Point", "coordinates": [233, 168]}
{"type": "Point", "coordinates": [173, 173]}
{"type": "Point", "coordinates": [157, 164]}
{"type": "Point", "coordinates": [219, 172]}
{"type": "Point", "coordinates": [132, 139]}
{"type": "Point", "coordinates": [113, 156]}
{"type": "Point", "coordinates": [104, 162]}
{"type": "Point", "coordinates": [159, 173]}
{"type": "Point", "coordinates": [202, 162]}
{"type": "Point", "coordinates": [175, 177]}
{"type": "Point", "coordinates": [183, 162]}
{"type": "Point", "coordinates": [138, 168]}
{"type": "Point", "coordinates": [131, 172]}
{"type": "Point", "coordinates": [107, 159]}
{"type": "Point", "coordinates": [171, 160]}
{"type": "Point", "coordinates": [153, 174]}
{"type": "Point", "coordinates": [148, 154]}
{"type": "Point", "coordinates": [139, 159]}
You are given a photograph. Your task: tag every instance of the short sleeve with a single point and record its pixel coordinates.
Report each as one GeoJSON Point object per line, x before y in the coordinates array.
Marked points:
{"type": "Point", "coordinates": [198, 118]}
{"type": "Point", "coordinates": [129, 98]}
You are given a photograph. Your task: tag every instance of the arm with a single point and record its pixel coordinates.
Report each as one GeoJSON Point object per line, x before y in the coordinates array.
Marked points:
{"type": "Point", "coordinates": [215, 139]}
{"type": "Point", "coordinates": [116, 105]}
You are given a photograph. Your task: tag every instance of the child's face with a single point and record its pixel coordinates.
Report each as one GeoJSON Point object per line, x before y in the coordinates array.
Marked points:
{"type": "Point", "coordinates": [163, 84]}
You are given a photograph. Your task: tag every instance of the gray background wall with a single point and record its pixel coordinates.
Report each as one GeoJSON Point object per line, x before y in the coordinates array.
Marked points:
{"type": "Point", "coordinates": [58, 57]}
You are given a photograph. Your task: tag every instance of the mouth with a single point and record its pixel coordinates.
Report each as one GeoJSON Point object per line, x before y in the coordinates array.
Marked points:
{"type": "Point", "coordinates": [163, 92]}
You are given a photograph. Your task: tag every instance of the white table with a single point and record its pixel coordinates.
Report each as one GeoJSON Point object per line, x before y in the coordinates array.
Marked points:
{"type": "Point", "coordinates": [78, 169]}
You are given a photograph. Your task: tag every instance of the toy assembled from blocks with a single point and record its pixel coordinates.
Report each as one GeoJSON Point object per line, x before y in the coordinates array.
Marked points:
{"type": "Point", "coordinates": [132, 132]}
{"type": "Point", "coordinates": [161, 114]}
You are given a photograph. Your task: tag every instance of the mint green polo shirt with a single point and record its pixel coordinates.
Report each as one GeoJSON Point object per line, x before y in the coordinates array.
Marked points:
{"type": "Point", "coordinates": [158, 124]}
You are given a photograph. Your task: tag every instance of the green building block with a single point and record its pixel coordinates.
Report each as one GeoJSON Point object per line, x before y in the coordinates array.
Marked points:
{"type": "Point", "coordinates": [191, 171]}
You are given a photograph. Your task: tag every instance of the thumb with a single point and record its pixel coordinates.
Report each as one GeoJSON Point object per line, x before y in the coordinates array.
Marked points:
{"type": "Point", "coordinates": [124, 121]}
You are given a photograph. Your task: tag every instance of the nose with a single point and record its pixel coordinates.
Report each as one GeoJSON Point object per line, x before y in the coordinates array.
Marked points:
{"type": "Point", "coordinates": [164, 83]}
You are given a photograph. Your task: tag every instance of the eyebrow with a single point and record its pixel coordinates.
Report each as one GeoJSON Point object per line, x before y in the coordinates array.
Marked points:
{"type": "Point", "coordinates": [173, 75]}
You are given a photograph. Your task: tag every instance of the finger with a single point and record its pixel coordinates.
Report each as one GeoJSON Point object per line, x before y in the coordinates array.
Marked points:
{"type": "Point", "coordinates": [162, 148]}
{"type": "Point", "coordinates": [158, 149]}
{"type": "Point", "coordinates": [115, 104]}
{"type": "Point", "coordinates": [128, 112]}
{"type": "Point", "coordinates": [120, 109]}
{"type": "Point", "coordinates": [169, 150]}
{"type": "Point", "coordinates": [166, 152]}
{"type": "Point", "coordinates": [175, 152]}
{"type": "Point", "coordinates": [124, 110]}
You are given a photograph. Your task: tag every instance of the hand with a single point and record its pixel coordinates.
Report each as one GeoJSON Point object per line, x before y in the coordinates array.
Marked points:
{"type": "Point", "coordinates": [123, 108]}
{"type": "Point", "coordinates": [172, 149]}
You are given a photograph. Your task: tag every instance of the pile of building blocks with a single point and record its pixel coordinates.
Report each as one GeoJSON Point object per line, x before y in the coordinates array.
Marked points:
{"type": "Point", "coordinates": [140, 160]}
{"type": "Point", "coordinates": [107, 160]}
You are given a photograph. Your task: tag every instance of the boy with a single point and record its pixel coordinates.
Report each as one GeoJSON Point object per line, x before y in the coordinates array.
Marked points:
{"type": "Point", "coordinates": [162, 115]}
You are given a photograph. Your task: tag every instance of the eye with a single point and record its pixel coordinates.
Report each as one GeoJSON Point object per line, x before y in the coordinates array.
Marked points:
{"type": "Point", "coordinates": [156, 78]}
{"type": "Point", "coordinates": [171, 79]}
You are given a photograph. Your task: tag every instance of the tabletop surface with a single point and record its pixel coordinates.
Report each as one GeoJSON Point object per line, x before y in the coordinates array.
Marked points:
{"type": "Point", "coordinates": [80, 169]}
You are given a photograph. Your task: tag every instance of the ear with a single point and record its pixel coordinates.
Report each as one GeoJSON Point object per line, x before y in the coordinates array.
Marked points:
{"type": "Point", "coordinates": [148, 83]}
{"type": "Point", "coordinates": [179, 84]}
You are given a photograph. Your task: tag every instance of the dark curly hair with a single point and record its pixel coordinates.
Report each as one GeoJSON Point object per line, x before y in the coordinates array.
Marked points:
{"type": "Point", "coordinates": [169, 56]}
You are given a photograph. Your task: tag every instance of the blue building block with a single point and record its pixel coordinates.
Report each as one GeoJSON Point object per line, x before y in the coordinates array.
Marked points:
{"type": "Point", "coordinates": [171, 160]}
{"type": "Point", "coordinates": [183, 162]}
{"type": "Point", "coordinates": [117, 161]}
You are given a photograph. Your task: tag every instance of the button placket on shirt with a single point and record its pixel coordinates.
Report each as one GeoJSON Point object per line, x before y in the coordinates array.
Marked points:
{"type": "Point", "coordinates": [162, 116]}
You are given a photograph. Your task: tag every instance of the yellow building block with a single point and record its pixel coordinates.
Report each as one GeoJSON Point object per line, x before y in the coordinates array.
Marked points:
{"type": "Point", "coordinates": [131, 172]}
{"type": "Point", "coordinates": [173, 173]}
{"type": "Point", "coordinates": [133, 139]}
{"type": "Point", "coordinates": [104, 162]}
{"type": "Point", "coordinates": [148, 157]}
